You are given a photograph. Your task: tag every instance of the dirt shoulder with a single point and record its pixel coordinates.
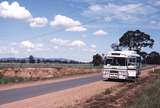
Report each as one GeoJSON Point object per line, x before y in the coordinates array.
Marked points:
{"type": "Point", "coordinates": [118, 98]}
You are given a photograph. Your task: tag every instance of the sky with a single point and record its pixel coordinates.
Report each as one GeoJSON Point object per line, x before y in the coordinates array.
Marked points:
{"type": "Point", "coordinates": [73, 29]}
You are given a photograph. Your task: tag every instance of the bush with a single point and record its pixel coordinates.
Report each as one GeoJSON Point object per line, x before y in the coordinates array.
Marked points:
{"type": "Point", "coordinates": [5, 79]}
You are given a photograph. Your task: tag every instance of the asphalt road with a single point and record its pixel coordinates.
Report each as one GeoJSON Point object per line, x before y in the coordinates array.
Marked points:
{"type": "Point", "coordinates": [7, 96]}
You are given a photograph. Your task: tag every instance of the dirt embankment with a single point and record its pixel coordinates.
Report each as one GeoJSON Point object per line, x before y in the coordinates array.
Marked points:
{"type": "Point", "coordinates": [43, 73]}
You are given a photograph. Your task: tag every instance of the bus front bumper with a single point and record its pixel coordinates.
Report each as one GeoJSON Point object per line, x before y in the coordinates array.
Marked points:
{"type": "Point", "coordinates": [118, 75]}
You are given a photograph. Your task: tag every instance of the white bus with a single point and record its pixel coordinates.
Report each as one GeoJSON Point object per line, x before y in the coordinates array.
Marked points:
{"type": "Point", "coordinates": [122, 65]}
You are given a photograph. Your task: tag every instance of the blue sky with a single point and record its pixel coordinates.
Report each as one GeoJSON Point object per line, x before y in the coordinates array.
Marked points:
{"type": "Point", "coordinates": [74, 29]}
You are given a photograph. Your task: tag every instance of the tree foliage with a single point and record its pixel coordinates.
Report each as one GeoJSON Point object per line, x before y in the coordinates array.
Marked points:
{"type": "Point", "coordinates": [31, 59]}
{"type": "Point", "coordinates": [143, 54]}
{"type": "Point", "coordinates": [153, 58]}
{"type": "Point", "coordinates": [97, 60]}
{"type": "Point", "coordinates": [136, 40]}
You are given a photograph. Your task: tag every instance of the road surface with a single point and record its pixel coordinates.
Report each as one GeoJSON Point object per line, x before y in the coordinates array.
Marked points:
{"type": "Point", "coordinates": [11, 95]}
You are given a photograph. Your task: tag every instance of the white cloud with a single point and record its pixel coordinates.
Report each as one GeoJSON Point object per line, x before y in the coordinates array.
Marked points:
{"type": "Point", "coordinates": [67, 43]}
{"type": "Point", "coordinates": [120, 12]}
{"type": "Point", "coordinates": [76, 29]}
{"type": "Point", "coordinates": [153, 22]}
{"type": "Point", "coordinates": [56, 47]}
{"type": "Point", "coordinates": [14, 51]}
{"type": "Point", "coordinates": [27, 44]}
{"type": "Point", "coordinates": [95, 8]}
{"type": "Point", "coordinates": [78, 43]}
{"type": "Point", "coordinates": [8, 50]}
{"type": "Point", "coordinates": [92, 50]}
{"type": "Point", "coordinates": [60, 20]}
{"type": "Point", "coordinates": [93, 46]}
{"type": "Point", "coordinates": [30, 46]}
{"type": "Point", "coordinates": [100, 33]}
{"type": "Point", "coordinates": [38, 22]}
{"type": "Point", "coordinates": [59, 41]}
{"type": "Point", "coordinates": [13, 10]}
{"type": "Point", "coordinates": [68, 23]}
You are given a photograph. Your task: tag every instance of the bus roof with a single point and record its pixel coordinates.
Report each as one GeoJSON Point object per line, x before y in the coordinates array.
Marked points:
{"type": "Point", "coordinates": [125, 54]}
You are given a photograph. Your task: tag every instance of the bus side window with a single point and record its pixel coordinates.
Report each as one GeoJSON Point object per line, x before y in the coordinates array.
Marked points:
{"type": "Point", "coordinates": [108, 61]}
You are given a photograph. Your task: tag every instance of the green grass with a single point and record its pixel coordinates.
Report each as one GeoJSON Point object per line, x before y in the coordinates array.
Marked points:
{"type": "Point", "coordinates": [149, 97]}
{"type": "Point", "coordinates": [6, 79]}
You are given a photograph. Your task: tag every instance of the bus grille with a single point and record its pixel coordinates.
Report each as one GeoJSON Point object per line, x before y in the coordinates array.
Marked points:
{"type": "Point", "coordinates": [113, 71]}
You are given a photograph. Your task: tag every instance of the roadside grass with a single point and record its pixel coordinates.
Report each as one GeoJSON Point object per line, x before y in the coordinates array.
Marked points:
{"type": "Point", "coordinates": [108, 91]}
{"type": "Point", "coordinates": [15, 79]}
{"type": "Point", "coordinates": [149, 97]}
{"type": "Point", "coordinates": [46, 65]}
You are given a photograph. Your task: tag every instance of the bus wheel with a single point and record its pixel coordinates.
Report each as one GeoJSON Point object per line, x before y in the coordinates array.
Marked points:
{"type": "Point", "coordinates": [133, 79]}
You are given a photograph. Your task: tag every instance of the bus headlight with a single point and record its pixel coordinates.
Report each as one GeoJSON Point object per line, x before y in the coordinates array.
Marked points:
{"type": "Point", "coordinates": [105, 72]}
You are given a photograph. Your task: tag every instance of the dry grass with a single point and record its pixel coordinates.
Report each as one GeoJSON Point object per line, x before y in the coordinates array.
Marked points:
{"type": "Point", "coordinates": [145, 93]}
{"type": "Point", "coordinates": [149, 97]}
{"type": "Point", "coordinates": [45, 65]}
{"type": "Point", "coordinates": [8, 75]}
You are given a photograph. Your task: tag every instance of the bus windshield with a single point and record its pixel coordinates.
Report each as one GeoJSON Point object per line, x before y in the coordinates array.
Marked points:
{"type": "Point", "coordinates": [116, 61]}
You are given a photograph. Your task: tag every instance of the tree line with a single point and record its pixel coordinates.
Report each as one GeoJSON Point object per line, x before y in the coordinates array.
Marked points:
{"type": "Point", "coordinates": [32, 59]}
{"type": "Point", "coordinates": [150, 58]}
